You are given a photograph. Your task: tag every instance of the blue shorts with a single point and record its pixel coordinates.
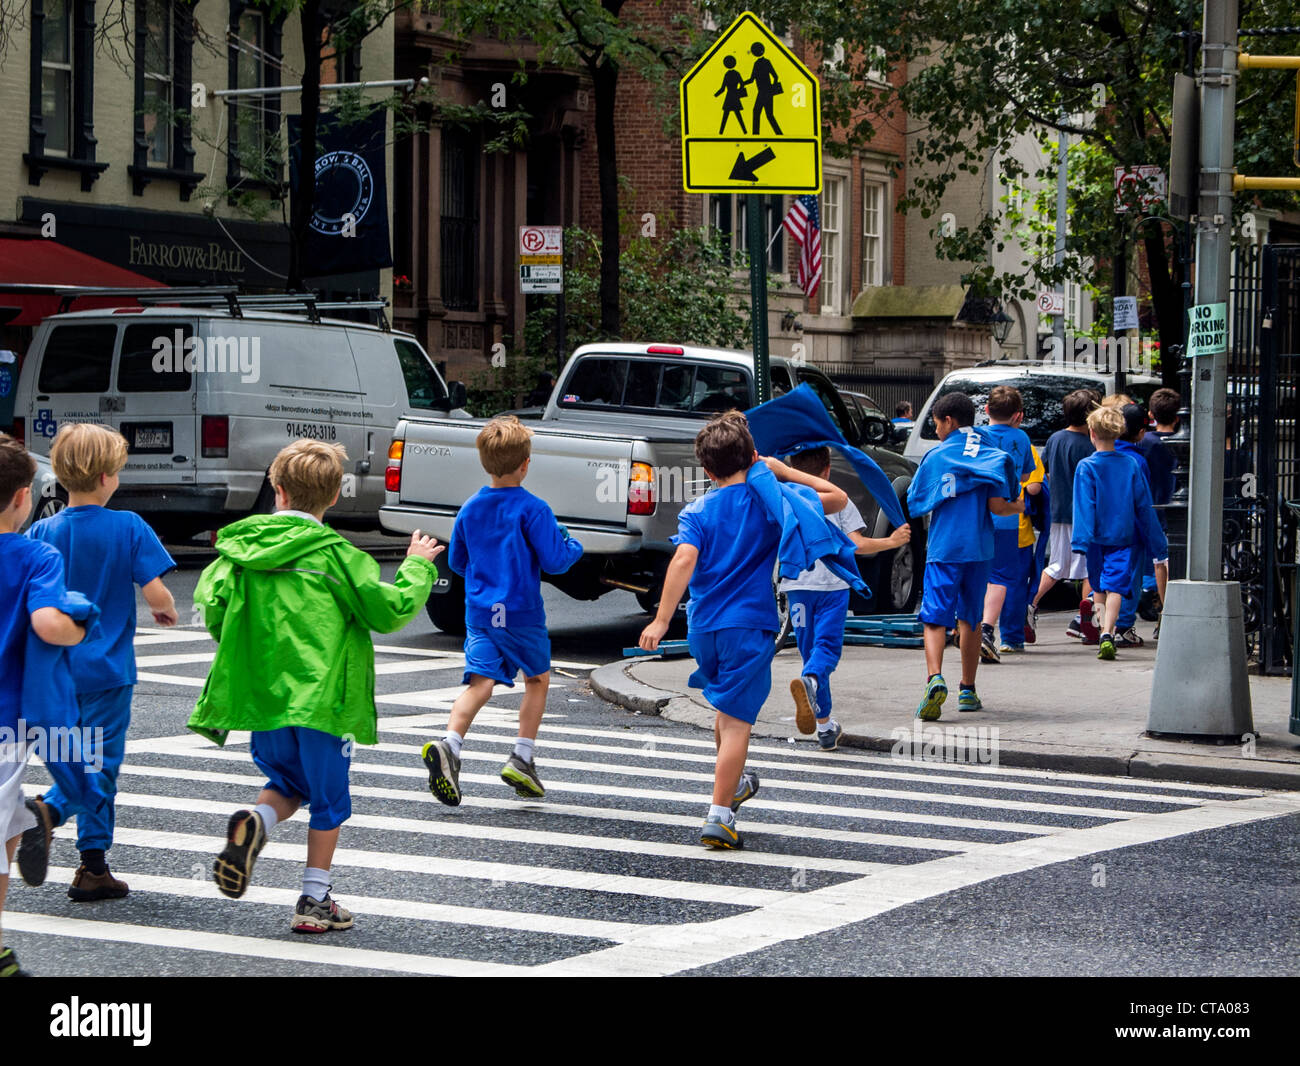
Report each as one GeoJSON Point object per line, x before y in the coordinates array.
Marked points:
{"type": "Point", "coordinates": [734, 668]}
{"type": "Point", "coordinates": [1008, 563]}
{"type": "Point", "coordinates": [1113, 569]}
{"type": "Point", "coordinates": [954, 592]}
{"type": "Point", "coordinates": [310, 765]}
{"type": "Point", "coordinates": [500, 652]}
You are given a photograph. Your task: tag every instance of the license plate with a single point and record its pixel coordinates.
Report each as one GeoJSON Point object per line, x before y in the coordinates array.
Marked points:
{"type": "Point", "coordinates": [152, 438]}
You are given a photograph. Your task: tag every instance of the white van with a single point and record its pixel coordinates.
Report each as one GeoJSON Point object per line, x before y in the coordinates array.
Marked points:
{"type": "Point", "coordinates": [206, 396]}
{"type": "Point", "coordinates": [1042, 387]}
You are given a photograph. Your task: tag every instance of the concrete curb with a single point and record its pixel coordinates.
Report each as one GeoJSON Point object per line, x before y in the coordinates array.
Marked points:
{"type": "Point", "coordinates": [613, 684]}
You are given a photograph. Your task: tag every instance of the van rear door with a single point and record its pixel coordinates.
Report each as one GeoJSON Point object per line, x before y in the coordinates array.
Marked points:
{"type": "Point", "coordinates": [73, 380]}
{"type": "Point", "coordinates": [154, 402]}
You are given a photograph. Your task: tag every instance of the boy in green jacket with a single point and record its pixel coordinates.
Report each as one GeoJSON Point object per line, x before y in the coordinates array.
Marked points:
{"type": "Point", "coordinates": [292, 604]}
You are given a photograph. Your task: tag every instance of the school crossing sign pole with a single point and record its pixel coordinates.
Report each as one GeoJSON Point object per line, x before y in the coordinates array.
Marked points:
{"type": "Point", "coordinates": [751, 124]}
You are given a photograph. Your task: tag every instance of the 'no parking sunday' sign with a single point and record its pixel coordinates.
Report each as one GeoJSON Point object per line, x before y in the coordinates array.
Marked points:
{"type": "Point", "coordinates": [1207, 329]}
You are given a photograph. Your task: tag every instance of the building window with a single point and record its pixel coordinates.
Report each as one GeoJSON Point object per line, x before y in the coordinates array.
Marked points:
{"type": "Point", "coordinates": [832, 290]}
{"type": "Point", "coordinates": [157, 59]}
{"type": "Point", "coordinates": [728, 218]}
{"type": "Point", "coordinates": [873, 233]}
{"type": "Point", "coordinates": [56, 77]}
{"type": "Point", "coordinates": [164, 46]}
{"type": "Point", "coordinates": [61, 123]}
{"type": "Point", "coordinates": [253, 143]}
{"type": "Point", "coordinates": [460, 199]}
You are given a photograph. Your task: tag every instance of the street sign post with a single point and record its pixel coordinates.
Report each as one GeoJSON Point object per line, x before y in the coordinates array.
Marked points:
{"type": "Point", "coordinates": [751, 124]}
{"type": "Point", "coordinates": [541, 259]}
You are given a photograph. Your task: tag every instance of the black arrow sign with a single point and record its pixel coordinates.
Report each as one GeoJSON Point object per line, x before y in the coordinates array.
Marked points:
{"type": "Point", "coordinates": [746, 169]}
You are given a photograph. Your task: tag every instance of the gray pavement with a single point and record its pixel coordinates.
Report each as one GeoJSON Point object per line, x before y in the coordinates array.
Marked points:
{"type": "Point", "coordinates": [1056, 706]}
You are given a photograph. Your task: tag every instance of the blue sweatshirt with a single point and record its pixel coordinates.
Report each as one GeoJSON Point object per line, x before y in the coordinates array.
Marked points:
{"type": "Point", "coordinates": [1112, 505]}
{"type": "Point", "coordinates": [502, 540]}
{"type": "Point", "coordinates": [953, 485]}
{"type": "Point", "coordinates": [1015, 442]}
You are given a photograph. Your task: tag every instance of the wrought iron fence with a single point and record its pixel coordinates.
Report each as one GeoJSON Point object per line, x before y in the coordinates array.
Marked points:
{"type": "Point", "coordinates": [886, 386]}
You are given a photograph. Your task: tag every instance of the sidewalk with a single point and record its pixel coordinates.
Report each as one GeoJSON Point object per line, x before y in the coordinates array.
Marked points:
{"type": "Point", "coordinates": [1056, 707]}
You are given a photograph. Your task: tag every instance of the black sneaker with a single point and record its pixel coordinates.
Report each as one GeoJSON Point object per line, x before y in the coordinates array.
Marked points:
{"type": "Point", "coordinates": [9, 965]}
{"type": "Point", "coordinates": [522, 777]}
{"type": "Point", "coordinates": [1148, 607]}
{"type": "Point", "coordinates": [988, 646]}
{"type": "Point", "coordinates": [245, 839]}
{"type": "Point", "coordinates": [1075, 629]}
{"type": "Point", "coordinates": [444, 772]}
{"type": "Point", "coordinates": [34, 849]}
{"type": "Point", "coordinates": [829, 739]}
{"type": "Point", "coordinates": [1129, 638]}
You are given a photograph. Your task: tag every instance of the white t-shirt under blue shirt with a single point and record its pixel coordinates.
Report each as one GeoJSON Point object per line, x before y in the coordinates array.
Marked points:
{"type": "Point", "coordinates": [819, 578]}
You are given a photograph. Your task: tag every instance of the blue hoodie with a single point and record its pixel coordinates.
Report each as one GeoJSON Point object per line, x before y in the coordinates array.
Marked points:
{"type": "Point", "coordinates": [1015, 442]}
{"type": "Point", "coordinates": [1112, 505]}
{"type": "Point", "coordinates": [953, 485]}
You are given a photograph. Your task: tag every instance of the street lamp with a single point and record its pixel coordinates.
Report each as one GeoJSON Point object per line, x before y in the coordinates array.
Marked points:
{"type": "Point", "coordinates": [1001, 323]}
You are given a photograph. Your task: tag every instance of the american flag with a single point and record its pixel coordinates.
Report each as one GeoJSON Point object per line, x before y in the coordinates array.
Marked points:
{"type": "Point", "coordinates": [805, 226]}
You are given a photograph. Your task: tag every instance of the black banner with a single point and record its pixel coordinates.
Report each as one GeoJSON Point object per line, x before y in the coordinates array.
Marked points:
{"type": "Point", "coordinates": [349, 228]}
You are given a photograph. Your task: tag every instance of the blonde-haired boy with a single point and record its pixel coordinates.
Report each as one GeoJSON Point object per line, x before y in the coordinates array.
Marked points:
{"type": "Point", "coordinates": [1113, 521]}
{"type": "Point", "coordinates": [503, 538]}
{"type": "Point", "coordinates": [292, 604]}
{"type": "Point", "coordinates": [106, 555]}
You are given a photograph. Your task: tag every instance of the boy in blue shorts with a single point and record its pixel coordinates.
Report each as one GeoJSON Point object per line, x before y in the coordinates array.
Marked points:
{"type": "Point", "coordinates": [727, 544]}
{"type": "Point", "coordinates": [32, 596]}
{"type": "Point", "coordinates": [959, 483]}
{"type": "Point", "coordinates": [1114, 521]}
{"type": "Point", "coordinates": [503, 538]}
{"type": "Point", "coordinates": [106, 555]}
{"type": "Point", "coordinates": [1004, 601]}
{"type": "Point", "coordinates": [291, 605]}
{"type": "Point", "coordinates": [819, 604]}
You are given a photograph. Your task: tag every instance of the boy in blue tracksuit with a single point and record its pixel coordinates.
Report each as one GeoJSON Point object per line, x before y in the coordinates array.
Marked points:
{"type": "Point", "coordinates": [819, 605]}
{"type": "Point", "coordinates": [727, 543]}
{"type": "Point", "coordinates": [502, 539]}
{"type": "Point", "coordinates": [106, 555]}
{"type": "Point", "coordinates": [960, 484]}
{"type": "Point", "coordinates": [1004, 599]}
{"type": "Point", "coordinates": [1130, 444]}
{"type": "Point", "coordinates": [1114, 521]}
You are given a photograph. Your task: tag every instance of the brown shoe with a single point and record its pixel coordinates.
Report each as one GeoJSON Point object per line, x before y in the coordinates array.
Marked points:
{"type": "Point", "coordinates": [87, 887]}
{"type": "Point", "coordinates": [34, 849]}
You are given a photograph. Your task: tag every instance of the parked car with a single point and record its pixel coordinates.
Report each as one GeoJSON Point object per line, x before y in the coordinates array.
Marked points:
{"type": "Point", "coordinates": [48, 496]}
{"type": "Point", "coordinates": [874, 425]}
{"type": "Point", "coordinates": [614, 457]}
{"type": "Point", "coordinates": [1042, 386]}
{"type": "Point", "coordinates": [206, 396]}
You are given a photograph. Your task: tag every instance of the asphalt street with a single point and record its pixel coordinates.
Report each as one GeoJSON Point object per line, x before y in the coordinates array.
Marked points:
{"type": "Point", "coordinates": [855, 863]}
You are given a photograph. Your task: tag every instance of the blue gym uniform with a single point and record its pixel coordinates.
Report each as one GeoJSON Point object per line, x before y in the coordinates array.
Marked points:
{"type": "Point", "coordinates": [106, 555]}
{"type": "Point", "coordinates": [819, 604]}
{"type": "Point", "coordinates": [501, 542]}
{"type": "Point", "coordinates": [731, 615]}
{"type": "Point", "coordinates": [1114, 520]}
{"type": "Point", "coordinates": [306, 763]}
{"type": "Point", "coordinates": [1142, 563]}
{"type": "Point", "coordinates": [1011, 562]}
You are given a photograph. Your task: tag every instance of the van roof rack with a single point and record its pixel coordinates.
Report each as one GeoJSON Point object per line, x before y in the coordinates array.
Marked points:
{"type": "Point", "coordinates": [211, 296]}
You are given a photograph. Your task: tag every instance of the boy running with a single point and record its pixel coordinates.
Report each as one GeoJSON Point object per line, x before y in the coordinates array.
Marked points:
{"type": "Point", "coordinates": [1114, 521]}
{"type": "Point", "coordinates": [727, 544]}
{"type": "Point", "coordinates": [292, 604]}
{"type": "Point", "coordinates": [503, 538]}
{"type": "Point", "coordinates": [819, 604]}
{"type": "Point", "coordinates": [106, 554]}
{"type": "Point", "coordinates": [960, 483]}
{"type": "Point", "coordinates": [32, 595]}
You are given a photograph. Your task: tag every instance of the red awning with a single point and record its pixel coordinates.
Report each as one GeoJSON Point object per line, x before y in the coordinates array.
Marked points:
{"type": "Point", "coordinates": [40, 261]}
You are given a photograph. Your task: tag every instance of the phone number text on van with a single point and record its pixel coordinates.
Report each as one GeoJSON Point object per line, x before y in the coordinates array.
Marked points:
{"type": "Point", "coordinates": [312, 430]}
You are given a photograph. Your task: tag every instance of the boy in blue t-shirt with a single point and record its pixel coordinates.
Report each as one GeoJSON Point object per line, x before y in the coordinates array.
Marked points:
{"type": "Point", "coordinates": [31, 588]}
{"type": "Point", "coordinates": [960, 483]}
{"type": "Point", "coordinates": [1114, 521]}
{"type": "Point", "coordinates": [726, 549]}
{"type": "Point", "coordinates": [1009, 573]}
{"type": "Point", "coordinates": [106, 555]}
{"type": "Point", "coordinates": [503, 538]}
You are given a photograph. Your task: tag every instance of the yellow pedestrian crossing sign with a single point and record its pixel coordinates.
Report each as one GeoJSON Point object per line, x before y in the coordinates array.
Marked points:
{"type": "Point", "coordinates": [751, 116]}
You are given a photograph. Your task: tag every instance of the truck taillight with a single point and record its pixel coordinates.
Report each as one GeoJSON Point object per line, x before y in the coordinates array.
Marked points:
{"type": "Point", "coordinates": [395, 450]}
{"type": "Point", "coordinates": [641, 490]}
{"type": "Point", "coordinates": [393, 472]}
{"type": "Point", "coordinates": [216, 436]}
{"type": "Point", "coordinates": [20, 431]}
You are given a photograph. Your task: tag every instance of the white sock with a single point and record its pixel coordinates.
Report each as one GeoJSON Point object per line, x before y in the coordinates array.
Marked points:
{"type": "Point", "coordinates": [825, 725]}
{"type": "Point", "coordinates": [524, 748]}
{"type": "Point", "coordinates": [269, 818]}
{"type": "Point", "coordinates": [454, 741]}
{"type": "Point", "coordinates": [315, 882]}
{"type": "Point", "coordinates": [725, 813]}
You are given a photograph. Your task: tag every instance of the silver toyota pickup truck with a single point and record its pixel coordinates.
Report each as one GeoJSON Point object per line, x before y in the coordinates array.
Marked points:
{"type": "Point", "coordinates": [613, 454]}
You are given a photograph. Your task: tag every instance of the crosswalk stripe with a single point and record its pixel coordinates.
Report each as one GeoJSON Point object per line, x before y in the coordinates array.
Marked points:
{"type": "Point", "coordinates": [859, 767]}
{"type": "Point", "coordinates": [305, 950]}
{"type": "Point", "coordinates": [617, 814]}
{"type": "Point", "coordinates": [382, 906]}
{"type": "Point", "coordinates": [439, 866]}
{"type": "Point", "coordinates": [441, 827]}
{"type": "Point", "coordinates": [600, 788]}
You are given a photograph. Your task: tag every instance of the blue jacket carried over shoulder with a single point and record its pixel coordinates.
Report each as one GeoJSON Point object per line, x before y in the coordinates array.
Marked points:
{"type": "Point", "coordinates": [1112, 505]}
